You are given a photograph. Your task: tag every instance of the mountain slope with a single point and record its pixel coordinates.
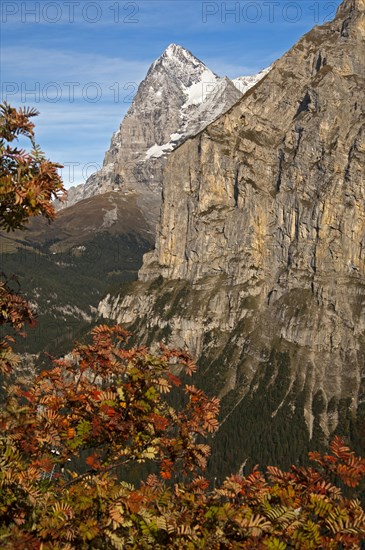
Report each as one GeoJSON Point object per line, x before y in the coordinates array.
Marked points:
{"type": "Point", "coordinates": [259, 262]}
{"type": "Point", "coordinates": [66, 267]}
{"type": "Point", "coordinates": [178, 97]}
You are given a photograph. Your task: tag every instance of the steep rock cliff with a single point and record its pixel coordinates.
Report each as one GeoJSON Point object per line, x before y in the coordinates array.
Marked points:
{"type": "Point", "coordinates": [259, 266]}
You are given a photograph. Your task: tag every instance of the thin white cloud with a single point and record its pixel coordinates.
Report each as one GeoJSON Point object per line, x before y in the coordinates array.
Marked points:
{"type": "Point", "coordinates": [72, 130]}
{"type": "Point", "coordinates": [46, 65]}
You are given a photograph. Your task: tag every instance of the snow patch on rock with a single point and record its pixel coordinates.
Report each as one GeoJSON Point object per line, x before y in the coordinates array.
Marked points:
{"type": "Point", "coordinates": [244, 83]}
{"type": "Point", "coordinates": [158, 150]}
{"type": "Point", "coordinates": [198, 91]}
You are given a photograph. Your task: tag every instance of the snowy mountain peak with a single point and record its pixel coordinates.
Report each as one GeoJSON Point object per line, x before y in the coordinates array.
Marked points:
{"type": "Point", "coordinates": [178, 53]}
{"type": "Point", "coordinates": [174, 50]}
{"type": "Point", "coordinates": [179, 97]}
{"type": "Point", "coordinates": [179, 63]}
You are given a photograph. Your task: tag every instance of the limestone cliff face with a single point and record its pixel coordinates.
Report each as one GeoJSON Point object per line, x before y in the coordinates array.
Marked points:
{"type": "Point", "coordinates": [259, 266]}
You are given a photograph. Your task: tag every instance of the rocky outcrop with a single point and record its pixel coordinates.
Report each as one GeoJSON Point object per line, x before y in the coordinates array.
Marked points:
{"type": "Point", "coordinates": [178, 97]}
{"type": "Point", "coordinates": [259, 266]}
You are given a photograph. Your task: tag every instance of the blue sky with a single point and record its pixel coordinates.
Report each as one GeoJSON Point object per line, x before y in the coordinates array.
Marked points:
{"type": "Point", "coordinates": [79, 62]}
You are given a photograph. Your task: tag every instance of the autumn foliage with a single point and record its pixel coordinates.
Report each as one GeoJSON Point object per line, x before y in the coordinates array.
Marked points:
{"type": "Point", "coordinates": [28, 183]}
{"type": "Point", "coordinates": [68, 440]}
{"type": "Point", "coordinates": [72, 438]}
{"type": "Point", "coordinates": [98, 410]}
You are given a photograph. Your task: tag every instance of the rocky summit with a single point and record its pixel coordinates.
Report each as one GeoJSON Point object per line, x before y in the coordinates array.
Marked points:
{"type": "Point", "coordinates": [179, 97]}
{"type": "Point", "coordinates": [259, 265]}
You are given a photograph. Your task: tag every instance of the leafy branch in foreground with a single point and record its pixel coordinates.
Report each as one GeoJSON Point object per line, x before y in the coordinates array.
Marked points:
{"type": "Point", "coordinates": [102, 408]}
{"type": "Point", "coordinates": [28, 183]}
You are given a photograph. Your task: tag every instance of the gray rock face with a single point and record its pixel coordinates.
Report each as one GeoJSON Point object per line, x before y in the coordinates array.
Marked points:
{"type": "Point", "coordinates": [259, 266]}
{"type": "Point", "coordinates": [178, 97]}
